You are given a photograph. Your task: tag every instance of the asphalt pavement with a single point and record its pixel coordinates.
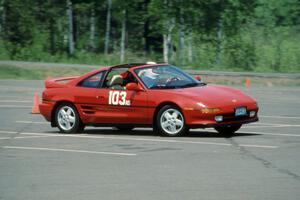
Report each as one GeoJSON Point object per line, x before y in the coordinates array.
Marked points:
{"type": "Point", "coordinates": [260, 162]}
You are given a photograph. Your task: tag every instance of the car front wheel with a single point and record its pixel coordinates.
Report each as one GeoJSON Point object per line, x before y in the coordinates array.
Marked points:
{"type": "Point", "coordinates": [228, 130]}
{"type": "Point", "coordinates": [170, 121]}
{"type": "Point", "coordinates": [67, 119]}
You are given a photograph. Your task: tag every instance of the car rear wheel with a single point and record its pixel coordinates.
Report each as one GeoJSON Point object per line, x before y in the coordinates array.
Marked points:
{"type": "Point", "coordinates": [228, 130]}
{"type": "Point", "coordinates": [67, 119]}
{"type": "Point", "coordinates": [170, 121]}
{"type": "Point", "coordinates": [125, 127]}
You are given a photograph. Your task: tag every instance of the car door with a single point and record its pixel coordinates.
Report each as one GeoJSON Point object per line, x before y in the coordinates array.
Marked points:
{"type": "Point", "coordinates": [87, 98]}
{"type": "Point", "coordinates": [121, 106]}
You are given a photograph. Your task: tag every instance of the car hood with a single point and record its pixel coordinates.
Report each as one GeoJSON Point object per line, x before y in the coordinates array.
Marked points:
{"type": "Point", "coordinates": [213, 95]}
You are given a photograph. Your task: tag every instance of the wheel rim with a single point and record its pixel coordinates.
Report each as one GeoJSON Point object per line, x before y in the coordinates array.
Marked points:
{"type": "Point", "coordinates": [172, 121]}
{"type": "Point", "coordinates": [66, 118]}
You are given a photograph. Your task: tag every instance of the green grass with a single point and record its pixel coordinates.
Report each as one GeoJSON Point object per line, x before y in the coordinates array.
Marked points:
{"type": "Point", "coordinates": [41, 73]}
{"type": "Point", "coordinates": [36, 73]}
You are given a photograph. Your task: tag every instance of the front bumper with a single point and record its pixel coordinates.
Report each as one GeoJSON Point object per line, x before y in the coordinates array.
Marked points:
{"type": "Point", "coordinates": [215, 124]}
{"type": "Point", "coordinates": [196, 119]}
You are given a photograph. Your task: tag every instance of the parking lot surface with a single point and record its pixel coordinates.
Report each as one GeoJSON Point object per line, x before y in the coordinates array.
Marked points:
{"type": "Point", "coordinates": [261, 161]}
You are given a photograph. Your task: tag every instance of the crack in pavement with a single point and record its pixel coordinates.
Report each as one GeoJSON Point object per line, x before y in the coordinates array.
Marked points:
{"type": "Point", "coordinates": [13, 136]}
{"type": "Point", "coordinates": [264, 162]}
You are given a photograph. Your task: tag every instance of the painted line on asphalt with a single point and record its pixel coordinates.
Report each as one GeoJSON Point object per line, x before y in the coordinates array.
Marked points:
{"type": "Point", "coordinates": [69, 150]}
{"type": "Point", "coordinates": [277, 124]}
{"type": "Point", "coordinates": [14, 101]}
{"type": "Point", "coordinates": [279, 117]}
{"type": "Point", "coordinates": [260, 133]}
{"type": "Point", "coordinates": [26, 137]}
{"type": "Point", "coordinates": [31, 122]}
{"type": "Point", "coordinates": [16, 97]}
{"type": "Point", "coordinates": [10, 132]}
{"type": "Point", "coordinates": [4, 138]}
{"type": "Point", "coordinates": [14, 106]}
{"type": "Point", "coordinates": [36, 136]}
{"type": "Point", "coordinates": [274, 126]}
{"type": "Point", "coordinates": [275, 134]}
{"type": "Point", "coordinates": [153, 140]}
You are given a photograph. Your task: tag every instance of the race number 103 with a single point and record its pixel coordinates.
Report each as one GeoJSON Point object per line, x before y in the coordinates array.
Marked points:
{"type": "Point", "coordinates": [118, 98]}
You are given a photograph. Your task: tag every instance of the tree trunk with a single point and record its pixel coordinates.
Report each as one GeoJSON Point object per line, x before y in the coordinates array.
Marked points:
{"type": "Point", "coordinates": [219, 42]}
{"type": "Point", "coordinates": [71, 28]}
{"type": "Point", "coordinates": [146, 39]}
{"type": "Point", "coordinates": [181, 40]}
{"type": "Point", "coordinates": [165, 48]}
{"type": "Point", "coordinates": [52, 36]}
{"type": "Point", "coordinates": [190, 47]}
{"type": "Point", "coordinates": [108, 24]}
{"type": "Point", "coordinates": [92, 28]}
{"type": "Point", "coordinates": [2, 19]}
{"type": "Point", "coordinates": [122, 53]}
{"type": "Point", "coordinates": [167, 41]}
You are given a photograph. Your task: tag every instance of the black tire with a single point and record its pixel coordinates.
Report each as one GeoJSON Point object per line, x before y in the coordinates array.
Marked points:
{"type": "Point", "coordinates": [75, 127]}
{"type": "Point", "coordinates": [228, 130]}
{"type": "Point", "coordinates": [125, 127]}
{"type": "Point", "coordinates": [161, 118]}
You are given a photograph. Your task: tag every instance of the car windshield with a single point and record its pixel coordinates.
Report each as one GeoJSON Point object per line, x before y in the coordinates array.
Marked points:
{"type": "Point", "coordinates": [166, 77]}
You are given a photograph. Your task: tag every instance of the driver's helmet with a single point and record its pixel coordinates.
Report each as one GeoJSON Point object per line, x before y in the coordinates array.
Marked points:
{"type": "Point", "coordinates": [148, 73]}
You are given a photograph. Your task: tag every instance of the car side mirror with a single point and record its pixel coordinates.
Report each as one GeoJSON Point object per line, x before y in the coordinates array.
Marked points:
{"type": "Point", "coordinates": [198, 78]}
{"type": "Point", "coordinates": [134, 87]}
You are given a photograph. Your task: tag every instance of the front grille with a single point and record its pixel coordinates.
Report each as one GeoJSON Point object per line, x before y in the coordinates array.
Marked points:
{"type": "Point", "coordinates": [231, 117]}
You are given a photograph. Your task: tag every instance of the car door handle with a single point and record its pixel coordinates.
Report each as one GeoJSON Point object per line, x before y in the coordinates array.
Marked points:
{"type": "Point", "coordinates": [99, 97]}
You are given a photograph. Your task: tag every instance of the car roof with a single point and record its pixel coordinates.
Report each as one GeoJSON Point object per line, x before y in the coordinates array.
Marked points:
{"type": "Point", "coordinates": [138, 65]}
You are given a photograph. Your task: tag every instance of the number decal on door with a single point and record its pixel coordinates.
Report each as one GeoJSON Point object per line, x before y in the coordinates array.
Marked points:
{"type": "Point", "coordinates": [118, 98]}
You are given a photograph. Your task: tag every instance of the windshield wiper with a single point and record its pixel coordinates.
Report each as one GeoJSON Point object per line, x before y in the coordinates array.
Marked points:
{"type": "Point", "coordinates": [192, 84]}
{"type": "Point", "coordinates": [162, 87]}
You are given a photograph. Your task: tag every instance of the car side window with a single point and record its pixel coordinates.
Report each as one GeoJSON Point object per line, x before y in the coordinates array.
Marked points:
{"type": "Point", "coordinates": [92, 81]}
{"type": "Point", "coordinates": [117, 78]}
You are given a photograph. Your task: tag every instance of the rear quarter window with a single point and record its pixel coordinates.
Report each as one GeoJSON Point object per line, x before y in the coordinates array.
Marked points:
{"type": "Point", "coordinates": [93, 81]}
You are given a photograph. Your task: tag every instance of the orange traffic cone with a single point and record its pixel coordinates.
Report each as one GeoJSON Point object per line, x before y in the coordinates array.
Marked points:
{"type": "Point", "coordinates": [248, 83]}
{"type": "Point", "coordinates": [36, 103]}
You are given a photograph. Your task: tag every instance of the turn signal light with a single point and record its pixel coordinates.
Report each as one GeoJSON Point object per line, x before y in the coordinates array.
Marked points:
{"type": "Point", "coordinates": [210, 110]}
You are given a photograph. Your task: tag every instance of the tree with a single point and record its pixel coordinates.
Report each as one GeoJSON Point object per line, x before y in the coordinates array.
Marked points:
{"type": "Point", "coordinates": [71, 27]}
{"type": "Point", "coordinates": [108, 26]}
{"type": "Point", "coordinates": [18, 27]}
{"type": "Point", "coordinates": [122, 52]}
{"type": "Point", "coordinates": [2, 16]}
{"type": "Point", "coordinates": [92, 44]}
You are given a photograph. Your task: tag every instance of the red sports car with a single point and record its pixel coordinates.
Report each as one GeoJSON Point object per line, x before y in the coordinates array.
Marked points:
{"type": "Point", "coordinates": [144, 95]}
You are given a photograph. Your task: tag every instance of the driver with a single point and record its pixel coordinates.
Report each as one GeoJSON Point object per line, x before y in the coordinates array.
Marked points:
{"type": "Point", "coordinates": [148, 76]}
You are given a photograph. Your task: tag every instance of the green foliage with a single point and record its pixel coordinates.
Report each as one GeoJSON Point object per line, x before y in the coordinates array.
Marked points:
{"type": "Point", "coordinates": [36, 73]}
{"type": "Point", "coordinates": [243, 35]}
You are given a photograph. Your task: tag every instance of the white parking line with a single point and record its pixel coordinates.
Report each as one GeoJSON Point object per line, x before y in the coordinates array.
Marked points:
{"type": "Point", "coordinates": [69, 150]}
{"type": "Point", "coordinates": [31, 122]}
{"type": "Point", "coordinates": [260, 133]}
{"type": "Point", "coordinates": [279, 117]}
{"type": "Point", "coordinates": [36, 136]}
{"type": "Point", "coordinates": [9, 132]}
{"type": "Point", "coordinates": [14, 101]}
{"type": "Point", "coordinates": [270, 126]}
{"type": "Point", "coordinates": [276, 124]}
{"type": "Point", "coordinates": [263, 133]}
{"type": "Point", "coordinates": [152, 140]}
{"type": "Point", "coordinates": [4, 138]}
{"type": "Point", "coordinates": [14, 106]}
